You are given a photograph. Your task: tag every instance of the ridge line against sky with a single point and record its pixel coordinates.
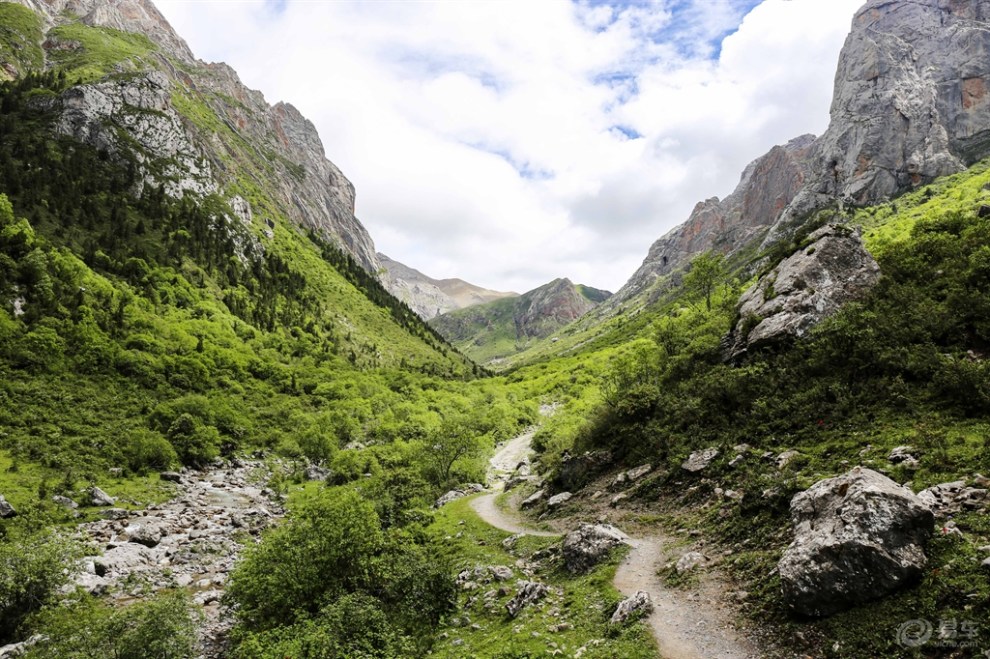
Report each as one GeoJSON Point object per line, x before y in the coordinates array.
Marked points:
{"type": "Point", "coordinates": [510, 143]}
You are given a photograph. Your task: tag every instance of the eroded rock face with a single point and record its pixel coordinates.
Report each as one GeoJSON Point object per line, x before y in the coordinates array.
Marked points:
{"type": "Point", "coordinates": [590, 544]}
{"type": "Point", "coordinates": [804, 289]}
{"type": "Point", "coordinates": [857, 537]}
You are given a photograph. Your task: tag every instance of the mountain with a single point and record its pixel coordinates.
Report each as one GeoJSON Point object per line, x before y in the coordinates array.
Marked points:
{"type": "Point", "coordinates": [910, 104]}
{"type": "Point", "coordinates": [196, 126]}
{"type": "Point", "coordinates": [492, 331]}
{"type": "Point", "coordinates": [430, 297]}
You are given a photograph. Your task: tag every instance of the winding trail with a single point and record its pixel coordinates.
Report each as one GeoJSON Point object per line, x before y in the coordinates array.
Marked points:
{"type": "Point", "coordinates": [686, 624]}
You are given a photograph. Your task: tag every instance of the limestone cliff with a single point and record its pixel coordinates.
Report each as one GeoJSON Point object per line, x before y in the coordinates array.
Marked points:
{"type": "Point", "coordinates": [198, 119]}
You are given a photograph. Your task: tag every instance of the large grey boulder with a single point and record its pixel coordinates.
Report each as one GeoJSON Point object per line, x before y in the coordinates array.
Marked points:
{"type": "Point", "coordinates": [699, 460]}
{"type": "Point", "coordinates": [804, 289]}
{"type": "Point", "coordinates": [98, 497]}
{"type": "Point", "coordinates": [6, 510]}
{"type": "Point", "coordinates": [857, 537]}
{"type": "Point", "coordinates": [588, 545]}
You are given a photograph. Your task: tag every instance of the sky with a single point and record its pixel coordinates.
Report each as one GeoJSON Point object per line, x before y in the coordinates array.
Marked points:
{"type": "Point", "coordinates": [508, 142]}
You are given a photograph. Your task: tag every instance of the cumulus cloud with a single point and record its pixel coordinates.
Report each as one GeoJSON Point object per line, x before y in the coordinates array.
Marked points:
{"type": "Point", "coordinates": [509, 143]}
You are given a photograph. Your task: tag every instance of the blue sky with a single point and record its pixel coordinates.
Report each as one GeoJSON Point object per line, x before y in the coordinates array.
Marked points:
{"type": "Point", "coordinates": [509, 143]}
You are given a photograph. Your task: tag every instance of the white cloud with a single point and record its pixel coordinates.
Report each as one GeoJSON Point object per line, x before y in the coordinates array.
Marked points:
{"type": "Point", "coordinates": [509, 143]}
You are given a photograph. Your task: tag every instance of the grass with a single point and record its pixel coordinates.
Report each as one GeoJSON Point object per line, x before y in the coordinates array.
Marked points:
{"type": "Point", "coordinates": [574, 616]}
{"type": "Point", "coordinates": [20, 39]}
{"type": "Point", "coordinates": [101, 51]}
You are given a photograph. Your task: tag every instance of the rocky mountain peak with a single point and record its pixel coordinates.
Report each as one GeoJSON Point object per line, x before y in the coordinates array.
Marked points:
{"type": "Point", "coordinates": [139, 16]}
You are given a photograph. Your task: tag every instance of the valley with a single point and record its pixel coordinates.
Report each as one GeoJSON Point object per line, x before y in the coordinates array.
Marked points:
{"type": "Point", "coordinates": [231, 427]}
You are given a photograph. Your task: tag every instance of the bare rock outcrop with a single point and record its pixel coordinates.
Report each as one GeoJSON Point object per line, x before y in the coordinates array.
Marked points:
{"type": "Point", "coordinates": [857, 537]}
{"type": "Point", "coordinates": [804, 289]}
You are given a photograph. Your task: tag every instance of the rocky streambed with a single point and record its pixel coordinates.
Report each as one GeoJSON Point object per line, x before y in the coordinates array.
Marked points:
{"type": "Point", "coordinates": [189, 542]}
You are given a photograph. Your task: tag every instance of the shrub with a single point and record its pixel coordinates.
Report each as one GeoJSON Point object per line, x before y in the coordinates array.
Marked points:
{"type": "Point", "coordinates": [32, 569]}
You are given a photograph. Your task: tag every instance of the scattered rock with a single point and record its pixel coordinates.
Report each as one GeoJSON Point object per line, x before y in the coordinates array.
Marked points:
{"type": "Point", "coordinates": [617, 499]}
{"type": "Point", "coordinates": [948, 499]}
{"type": "Point", "coordinates": [511, 541]}
{"type": "Point", "coordinates": [147, 531]}
{"type": "Point", "coordinates": [690, 561]}
{"type": "Point", "coordinates": [698, 460]}
{"type": "Point", "coordinates": [640, 603]}
{"type": "Point", "coordinates": [786, 458]}
{"type": "Point", "coordinates": [533, 499]}
{"type": "Point", "coordinates": [453, 495]}
{"type": "Point", "coordinates": [65, 502]}
{"type": "Point", "coordinates": [588, 545]}
{"type": "Point", "coordinates": [18, 649]}
{"type": "Point", "coordinates": [529, 592]}
{"type": "Point", "coordinates": [558, 499]}
{"type": "Point", "coordinates": [577, 471]}
{"type": "Point", "coordinates": [501, 572]}
{"type": "Point", "coordinates": [317, 473]}
{"type": "Point", "coordinates": [98, 497]}
{"type": "Point", "coordinates": [903, 455]}
{"type": "Point", "coordinates": [171, 476]}
{"type": "Point", "coordinates": [858, 536]}
{"type": "Point", "coordinates": [6, 510]}
{"type": "Point", "coordinates": [638, 472]}
{"type": "Point", "coordinates": [735, 462]}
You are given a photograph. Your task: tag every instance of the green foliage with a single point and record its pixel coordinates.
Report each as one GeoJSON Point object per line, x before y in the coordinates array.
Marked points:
{"type": "Point", "coordinates": [89, 53]}
{"type": "Point", "coordinates": [162, 627]}
{"type": "Point", "coordinates": [705, 274]}
{"type": "Point", "coordinates": [20, 38]}
{"type": "Point", "coordinates": [32, 569]}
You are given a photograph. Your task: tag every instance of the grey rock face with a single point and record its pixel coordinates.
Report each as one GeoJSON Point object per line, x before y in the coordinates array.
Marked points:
{"type": "Point", "coordinates": [588, 545]}
{"type": "Point", "coordinates": [804, 289]}
{"type": "Point", "coordinates": [857, 537]}
{"type": "Point", "coordinates": [910, 104]}
{"type": "Point", "coordinates": [6, 510]}
{"type": "Point", "coordinates": [640, 603]}
{"type": "Point", "coordinates": [529, 593]}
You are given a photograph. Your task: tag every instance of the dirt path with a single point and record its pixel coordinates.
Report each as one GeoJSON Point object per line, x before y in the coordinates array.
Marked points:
{"type": "Point", "coordinates": [686, 624]}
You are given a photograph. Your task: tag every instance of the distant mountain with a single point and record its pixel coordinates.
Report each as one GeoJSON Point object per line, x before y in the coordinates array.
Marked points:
{"type": "Point", "coordinates": [504, 327]}
{"type": "Point", "coordinates": [430, 297]}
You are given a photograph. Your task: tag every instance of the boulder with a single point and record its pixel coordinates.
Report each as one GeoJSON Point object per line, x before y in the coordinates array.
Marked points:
{"type": "Point", "coordinates": [98, 497]}
{"type": "Point", "coordinates": [577, 471]}
{"type": "Point", "coordinates": [638, 472]}
{"type": "Point", "coordinates": [786, 458]}
{"type": "Point", "coordinates": [65, 502]}
{"type": "Point", "coordinates": [810, 285]}
{"type": "Point", "coordinates": [698, 460]}
{"type": "Point", "coordinates": [559, 499]}
{"type": "Point", "coordinates": [588, 545]}
{"type": "Point", "coordinates": [529, 592]}
{"type": "Point", "coordinates": [147, 531]}
{"type": "Point", "coordinates": [453, 495]}
{"type": "Point", "coordinates": [857, 537]}
{"type": "Point", "coordinates": [533, 499]}
{"type": "Point", "coordinates": [640, 603]}
{"type": "Point", "coordinates": [6, 510]}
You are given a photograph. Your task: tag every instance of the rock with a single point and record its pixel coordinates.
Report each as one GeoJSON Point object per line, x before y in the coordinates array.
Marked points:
{"type": "Point", "coordinates": [6, 510]}
{"type": "Point", "coordinates": [317, 473]}
{"type": "Point", "coordinates": [785, 458]}
{"type": "Point", "coordinates": [529, 592]}
{"type": "Point", "coordinates": [985, 563]}
{"type": "Point", "coordinates": [171, 476]}
{"type": "Point", "coordinates": [736, 461]}
{"type": "Point", "coordinates": [588, 545]}
{"type": "Point", "coordinates": [65, 502]}
{"type": "Point", "coordinates": [511, 541]}
{"type": "Point", "coordinates": [638, 604]}
{"type": "Point", "coordinates": [690, 561]}
{"type": "Point", "coordinates": [617, 499]}
{"type": "Point", "coordinates": [948, 499]}
{"type": "Point", "coordinates": [453, 495]}
{"type": "Point", "coordinates": [17, 649]}
{"type": "Point", "coordinates": [698, 460]}
{"type": "Point", "coordinates": [98, 497]}
{"type": "Point", "coordinates": [577, 471]}
{"type": "Point", "coordinates": [147, 531]}
{"type": "Point", "coordinates": [115, 513]}
{"type": "Point", "coordinates": [858, 537]}
{"type": "Point", "coordinates": [804, 289]}
{"type": "Point", "coordinates": [559, 499]}
{"type": "Point", "coordinates": [501, 572]}
{"type": "Point", "coordinates": [533, 499]}
{"type": "Point", "coordinates": [638, 472]}
{"type": "Point", "coordinates": [903, 455]}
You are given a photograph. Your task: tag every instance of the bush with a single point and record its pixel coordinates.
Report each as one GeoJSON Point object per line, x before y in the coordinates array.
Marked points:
{"type": "Point", "coordinates": [148, 450]}
{"type": "Point", "coordinates": [162, 627]}
{"type": "Point", "coordinates": [32, 570]}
